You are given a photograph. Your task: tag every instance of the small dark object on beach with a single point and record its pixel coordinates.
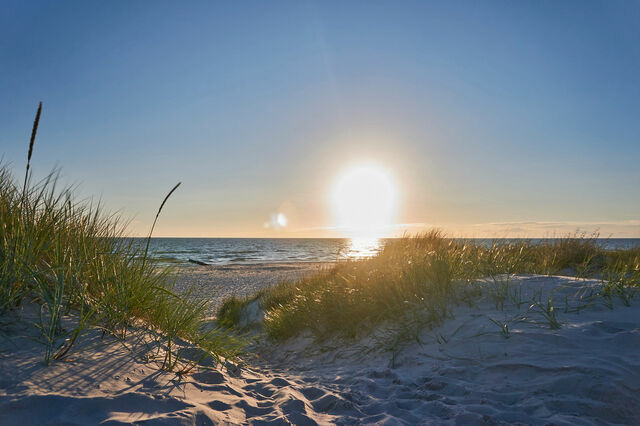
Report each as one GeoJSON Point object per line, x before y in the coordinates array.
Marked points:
{"type": "Point", "coordinates": [197, 262]}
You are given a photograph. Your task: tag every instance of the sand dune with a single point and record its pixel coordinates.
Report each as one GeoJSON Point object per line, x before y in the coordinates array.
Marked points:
{"type": "Point", "coordinates": [465, 372]}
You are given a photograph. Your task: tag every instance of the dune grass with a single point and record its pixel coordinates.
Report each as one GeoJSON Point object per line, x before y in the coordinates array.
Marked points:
{"type": "Point", "coordinates": [424, 277]}
{"type": "Point", "coordinates": [70, 256]}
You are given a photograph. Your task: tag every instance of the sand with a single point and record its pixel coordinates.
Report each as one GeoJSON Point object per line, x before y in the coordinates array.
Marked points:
{"type": "Point", "coordinates": [219, 282]}
{"type": "Point", "coordinates": [463, 372]}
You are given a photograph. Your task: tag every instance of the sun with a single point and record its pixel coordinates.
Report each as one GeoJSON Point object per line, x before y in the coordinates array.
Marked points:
{"type": "Point", "coordinates": [364, 199]}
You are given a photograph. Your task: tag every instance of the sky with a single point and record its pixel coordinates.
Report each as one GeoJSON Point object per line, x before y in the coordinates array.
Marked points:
{"type": "Point", "coordinates": [493, 118]}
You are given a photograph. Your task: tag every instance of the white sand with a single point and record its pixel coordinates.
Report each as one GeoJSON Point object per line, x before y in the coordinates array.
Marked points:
{"type": "Point", "coordinates": [464, 372]}
{"type": "Point", "coordinates": [219, 282]}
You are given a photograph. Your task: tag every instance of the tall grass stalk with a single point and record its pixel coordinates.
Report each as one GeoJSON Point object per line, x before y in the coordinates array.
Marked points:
{"type": "Point", "coordinates": [34, 131]}
{"type": "Point", "coordinates": [146, 249]}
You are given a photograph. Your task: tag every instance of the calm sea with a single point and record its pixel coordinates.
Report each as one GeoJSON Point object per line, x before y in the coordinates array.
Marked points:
{"type": "Point", "coordinates": [220, 251]}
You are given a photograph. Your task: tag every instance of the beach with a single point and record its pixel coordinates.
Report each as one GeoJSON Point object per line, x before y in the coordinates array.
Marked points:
{"type": "Point", "coordinates": [218, 282]}
{"type": "Point", "coordinates": [466, 371]}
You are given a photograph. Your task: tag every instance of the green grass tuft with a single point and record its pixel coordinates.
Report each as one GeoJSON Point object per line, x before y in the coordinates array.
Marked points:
{"type": "Point", "coordinates": [230, 311]}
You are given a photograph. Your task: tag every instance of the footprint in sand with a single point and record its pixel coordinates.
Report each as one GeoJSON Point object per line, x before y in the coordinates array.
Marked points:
{"type": "Point", "coordinates": [219, 405]}
{"type": "Point", "coordinates": [209, 377]}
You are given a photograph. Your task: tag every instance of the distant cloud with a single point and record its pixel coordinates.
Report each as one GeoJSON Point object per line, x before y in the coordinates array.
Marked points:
{"type": "Point", "coordinates": [622, 229]}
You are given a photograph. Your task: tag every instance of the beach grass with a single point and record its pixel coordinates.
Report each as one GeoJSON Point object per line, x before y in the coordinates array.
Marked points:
{"type": "Point", "coordinates": [430, 273]}
{"type": "Point", "coordinates": [72, 257]}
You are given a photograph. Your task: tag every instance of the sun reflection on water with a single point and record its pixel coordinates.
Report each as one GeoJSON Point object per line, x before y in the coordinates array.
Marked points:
{"type": "Point", "coordinates": [362, 247]}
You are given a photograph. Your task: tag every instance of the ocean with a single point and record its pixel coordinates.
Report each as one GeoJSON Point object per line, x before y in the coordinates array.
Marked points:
{"type": "Point", "coordinates": [222, 251]}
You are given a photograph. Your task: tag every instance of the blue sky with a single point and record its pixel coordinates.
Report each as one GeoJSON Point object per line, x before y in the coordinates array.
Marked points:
{"type": "Point", "coordinates": [501, 118]}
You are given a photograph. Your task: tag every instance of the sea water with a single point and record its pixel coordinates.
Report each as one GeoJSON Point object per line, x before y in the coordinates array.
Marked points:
{"type": "Point", "coordinates": [221, 251]}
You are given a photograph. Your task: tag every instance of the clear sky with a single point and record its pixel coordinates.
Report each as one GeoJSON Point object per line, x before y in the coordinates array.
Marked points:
{"type": "Point", "coordinates": [493, 118]}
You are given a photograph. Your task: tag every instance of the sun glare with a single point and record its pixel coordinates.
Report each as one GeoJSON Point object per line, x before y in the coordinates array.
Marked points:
{"type": "Point", "coordinates": [364, 201]}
